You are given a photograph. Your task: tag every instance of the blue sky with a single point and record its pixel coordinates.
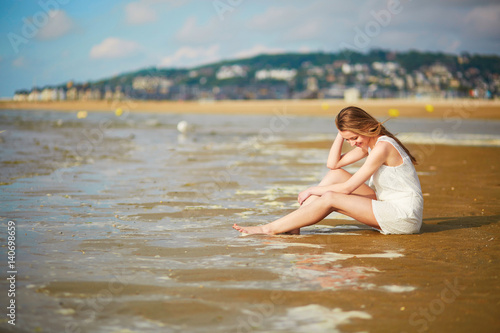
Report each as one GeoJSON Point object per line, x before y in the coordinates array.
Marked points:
{"type": "Point", "coordinates": [47, 42]}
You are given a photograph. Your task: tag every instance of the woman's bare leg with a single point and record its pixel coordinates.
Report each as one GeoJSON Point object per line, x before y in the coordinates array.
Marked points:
{"type": "Point", "coordinates": [338, 176]}
{"type": "Point", "coordinates": [355, 206]}
{"type": "Point", "coordinates": [335, 177]}
{"type": "Point", "coordinates": [306, 215]}
{"type": "Point", "coordinates": [332, 177]}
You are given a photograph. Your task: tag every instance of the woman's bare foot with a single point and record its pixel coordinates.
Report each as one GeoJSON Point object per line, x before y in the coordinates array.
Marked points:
{"type": "Point", "coordinates": [293, 232]}
{"type": "Point", "coordinates": [262, 230]}
{"type": "Point", "coordinates": [252, 230]}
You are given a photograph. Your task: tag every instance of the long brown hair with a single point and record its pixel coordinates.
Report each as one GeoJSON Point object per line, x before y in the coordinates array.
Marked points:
{"type": "Point", "coordinates": [358, 121]}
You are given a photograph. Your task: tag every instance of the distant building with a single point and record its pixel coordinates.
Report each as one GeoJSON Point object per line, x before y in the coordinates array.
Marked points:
{"type": "Point", "coordinates": [34, 96]}
{"type": "Point", "coordinates": [439, 70]}
{"type": "Point", "coordinates": [351, 95]}
{"type": "Point", "coordinates": [151, 84]}
{"type": "Point", "coordinates": [118, 95]}
{"type": "Point", "coordinates": [312, 84]}
{"type": "Point", "coordinates": [276, 74]}
{"type": "Point", "coordinates": [72, 94]}
{"type": "Point", "coordinates": [309, 77]}
{"type": "Point", "coordinates": [385, 67]}
{"type": "Point", "coordinates": [108, 94]}
{"type": "Point", "coordinates": [361, 68]}
{"type": "Point", "coordinates": [21, 96]}
{"type": "Point", "coordinates": [95, 94]}
{"type": "Point", "coordinates": [85, 95]}
{"type": "Point", "coordinates": [334, 91]}
{"type": "Point", "coordinates": [316, 71]}
{"type": "Point", "coordinates": [48, 94]}
{"type": "Point", "coordinates": [346, 69]}
{"type": "Point", "coordinates": [229, 72]}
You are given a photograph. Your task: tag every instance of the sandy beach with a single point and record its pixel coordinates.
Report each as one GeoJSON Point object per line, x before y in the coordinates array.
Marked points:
{"type": "Point", "coordinates": [459, 108]}
{"type": "Point", "coordinates": [127, 227]}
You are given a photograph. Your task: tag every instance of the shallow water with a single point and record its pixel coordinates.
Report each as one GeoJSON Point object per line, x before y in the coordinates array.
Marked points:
{"type": "Point", "coordinates": [123, 224]}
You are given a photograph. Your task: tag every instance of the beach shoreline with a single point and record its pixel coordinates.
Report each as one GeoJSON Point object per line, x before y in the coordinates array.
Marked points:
{"type": "Point", "coordinates": [414, 108]}
{"type": "Point", "coordinates": [129, 227]}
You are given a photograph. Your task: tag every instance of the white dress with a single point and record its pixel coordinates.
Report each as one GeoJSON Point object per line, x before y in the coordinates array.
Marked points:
{"type": "Point", "coordinates": [399, 205]}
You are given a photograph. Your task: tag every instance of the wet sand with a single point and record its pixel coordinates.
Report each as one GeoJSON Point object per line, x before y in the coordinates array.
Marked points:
{"type": "Point", "coordinates": [137, 238]}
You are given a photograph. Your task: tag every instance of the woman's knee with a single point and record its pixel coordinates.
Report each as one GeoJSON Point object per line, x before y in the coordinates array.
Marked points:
{"type": "Point", "coordinates": [338, 172]}
{"type": "Point", "coordinates": [329, 198]}
{"type": "Point", "coordinates": [336, 176]}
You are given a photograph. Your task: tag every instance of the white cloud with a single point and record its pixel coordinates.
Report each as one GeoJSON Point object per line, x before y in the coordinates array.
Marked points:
{"type": "Point", "coordinates": [112, 47]}
{"type": "Point", "coordinates": [140, 12]}
{"type": "Point", "coordinates": [187, 56]}
{"type": "Point", "coordinates": [256, 50]}
{"type": "Point", "coordinates": [58, 24]}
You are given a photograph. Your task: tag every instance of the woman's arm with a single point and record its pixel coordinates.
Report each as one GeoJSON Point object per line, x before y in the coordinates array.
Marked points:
{"type": "Point", "coordinates": [335, 152]}
{"type": "Point", "coordinates": [336, 160]}
{"type": "Point", "coordinates": [376, 158]}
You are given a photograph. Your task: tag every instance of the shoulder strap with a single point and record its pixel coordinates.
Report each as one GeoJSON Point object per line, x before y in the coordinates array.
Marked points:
{"type": "Point", "coordinates": [400, 150]}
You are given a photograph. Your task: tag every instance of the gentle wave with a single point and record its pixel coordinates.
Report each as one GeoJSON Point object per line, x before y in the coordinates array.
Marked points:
{"type": "Point", "coordinates": [451, 139]}
{"type": "Point", "coordinates": [480, 140]}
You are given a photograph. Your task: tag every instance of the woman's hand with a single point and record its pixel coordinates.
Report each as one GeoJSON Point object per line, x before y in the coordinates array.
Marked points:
{"type": "Point", "coordinates": [305, 194]}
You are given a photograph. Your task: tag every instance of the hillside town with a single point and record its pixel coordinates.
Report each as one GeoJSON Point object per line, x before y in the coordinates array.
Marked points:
{"type": "Point", "coordinates": [243, 80]}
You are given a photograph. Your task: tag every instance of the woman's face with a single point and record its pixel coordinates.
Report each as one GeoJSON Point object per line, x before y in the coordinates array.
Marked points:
{"type": "Point", "coordinates": [354, 139]}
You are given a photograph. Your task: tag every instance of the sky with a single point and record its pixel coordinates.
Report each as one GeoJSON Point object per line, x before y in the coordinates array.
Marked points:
{"type": "Point", "coordinates": [49, 42]}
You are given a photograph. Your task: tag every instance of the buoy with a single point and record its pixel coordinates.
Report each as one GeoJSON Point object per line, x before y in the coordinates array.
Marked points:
{"type": "Point", "coordinates": [393, 112]}
{"type": "Point", "coordinates": [184, 127]}
{"type": "Point", "coordinates": [81, 114]}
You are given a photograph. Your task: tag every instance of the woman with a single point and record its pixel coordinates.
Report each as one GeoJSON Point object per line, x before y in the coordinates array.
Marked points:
{"type": "Point", "coordinates": [393, 202]}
